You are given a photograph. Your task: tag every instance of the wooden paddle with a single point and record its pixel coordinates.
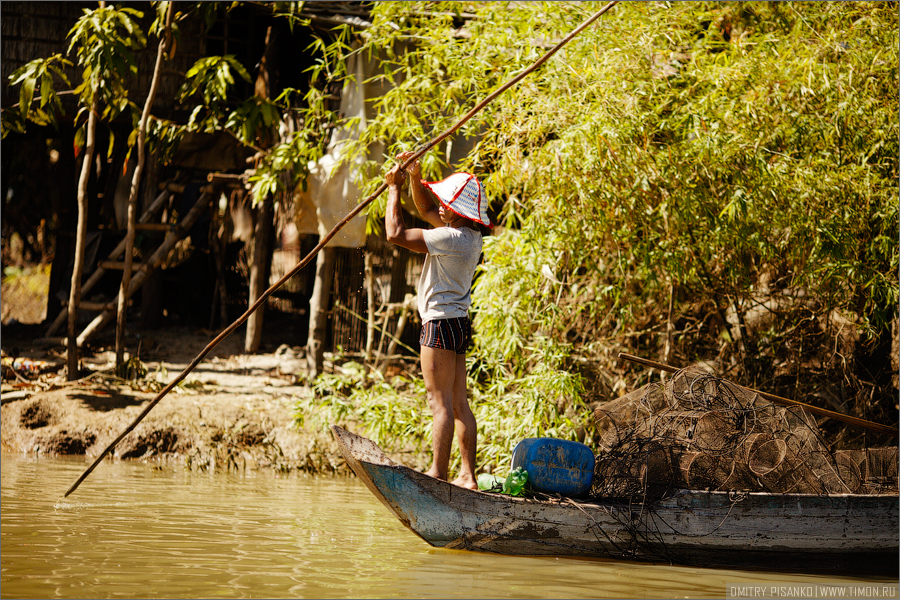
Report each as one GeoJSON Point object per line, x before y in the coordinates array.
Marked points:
{"type": "Point", "coordinates": [878, 427]}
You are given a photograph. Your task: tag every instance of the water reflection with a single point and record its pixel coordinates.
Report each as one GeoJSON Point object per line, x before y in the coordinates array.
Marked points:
{"type": "Point", "coordinates": [132, 530]}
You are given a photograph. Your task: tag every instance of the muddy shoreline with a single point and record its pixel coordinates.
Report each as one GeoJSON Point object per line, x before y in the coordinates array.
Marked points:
{"type": "Point", "coordinates": [233, 411]}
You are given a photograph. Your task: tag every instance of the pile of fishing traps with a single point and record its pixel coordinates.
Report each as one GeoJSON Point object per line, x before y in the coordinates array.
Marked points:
{"type": "Point", "coordinates": [698, 431]}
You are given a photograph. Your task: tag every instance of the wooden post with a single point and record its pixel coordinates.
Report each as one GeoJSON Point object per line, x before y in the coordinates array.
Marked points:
{"type": "Point", "coordinates": [260, 269]}
{"type": "Point", "coordinates": [670, 329]}
{"type": "Point", "coordinates": [81, 232]}
{"type": "Point", "coordinates": [261, 264]}
{"type": "Point", "coordinates": [318, 311]}
{"type": "Point", "coordinates": [133, 195]}
{"type": "Point", "coordinates": [370, 305]}
{"type": "Point", "coordinates": [218, 244]}
{"type": "Point", "coordinates": [399, 261]}
{"type": "Point", "coordinates": [409, 305]}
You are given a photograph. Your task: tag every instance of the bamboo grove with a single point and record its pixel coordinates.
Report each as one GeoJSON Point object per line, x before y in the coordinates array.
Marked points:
{"type": "Point", "coordinates": [709, 182]}
{"type": "Point", "coordinates": [691, 181]}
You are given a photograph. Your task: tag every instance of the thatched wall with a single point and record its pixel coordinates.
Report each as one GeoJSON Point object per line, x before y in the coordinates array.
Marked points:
{"type": "Point", "coordinates": [39, 29]}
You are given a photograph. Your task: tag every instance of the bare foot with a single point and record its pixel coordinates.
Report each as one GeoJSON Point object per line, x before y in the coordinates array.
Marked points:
{"type": "Point", "coordinates": [435, 474]}
{"type": "Point", "coordinates": [465, 482]}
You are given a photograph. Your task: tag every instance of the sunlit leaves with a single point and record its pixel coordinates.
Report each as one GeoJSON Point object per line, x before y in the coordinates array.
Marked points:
{"type": "Point", "coordinates": [689, 146]}
{"type": "Point", "coordinates": [104, 40]}
{"type": "Point", "coordinates": [38, 75]}
{"type": "Point", "coordinates": [211, 76]}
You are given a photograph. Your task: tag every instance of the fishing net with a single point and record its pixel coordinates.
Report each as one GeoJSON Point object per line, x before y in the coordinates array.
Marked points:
{"type": "Point", "coordinates": [698, 431]}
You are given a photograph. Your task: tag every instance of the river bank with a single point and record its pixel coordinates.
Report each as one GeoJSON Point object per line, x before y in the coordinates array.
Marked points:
{"type": "Point", "coordinates": [234, 410]}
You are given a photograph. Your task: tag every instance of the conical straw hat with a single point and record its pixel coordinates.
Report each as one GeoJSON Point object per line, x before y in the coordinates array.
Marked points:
{"type": "Point", "coordinates": [463, 194]}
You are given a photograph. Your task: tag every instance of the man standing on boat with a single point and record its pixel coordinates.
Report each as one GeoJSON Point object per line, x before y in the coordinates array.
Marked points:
{"type": "Point", "coordinates": [452, 249]}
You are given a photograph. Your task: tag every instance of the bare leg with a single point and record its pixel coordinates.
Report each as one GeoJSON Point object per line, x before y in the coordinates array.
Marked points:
{"type": "Point", "coordinates": [439, 373]}
{"type": "Point", "coordinates": [466, 428]}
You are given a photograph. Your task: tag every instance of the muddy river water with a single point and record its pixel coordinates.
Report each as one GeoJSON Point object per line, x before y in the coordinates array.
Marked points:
{"type": "Point", "coordinates": [135, 530]}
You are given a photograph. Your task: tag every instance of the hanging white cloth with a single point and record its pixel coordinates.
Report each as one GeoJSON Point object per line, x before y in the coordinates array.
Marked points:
{"type": "Point", "coordinates": [333, 186]}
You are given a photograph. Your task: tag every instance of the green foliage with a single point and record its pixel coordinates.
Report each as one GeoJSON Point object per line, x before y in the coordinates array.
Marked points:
{"type": "Point", "coordinates": [255, 121]}
{"type": "Point", "coordinates": [37, 75]}
{"type": "Point", "coordinates": [211, 77]}
{"type": "Point", "coordinates": [724, 157]}
{"type": "Point", "coordinates": [390, 411]}
{"type": "Point", "coordinates": [105, 40]}
{"type": "Point", "coordinates": [394, 413]}
{"type": "Point", "coordinates": [286, 164]}
{"type": "Point", "coordinates": [30, 279]}
{"type": "Point", "coordinates": [715, 157]}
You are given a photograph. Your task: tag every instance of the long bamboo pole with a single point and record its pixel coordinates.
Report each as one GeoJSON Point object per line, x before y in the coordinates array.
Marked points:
{"type": "Point", "coordinates": [877, 427]}
{"type": "Point", "coordinates": [259, 301]}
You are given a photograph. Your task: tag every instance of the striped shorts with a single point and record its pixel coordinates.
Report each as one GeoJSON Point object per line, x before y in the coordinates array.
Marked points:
{"type": "Point", "coordinates": [447, 334]}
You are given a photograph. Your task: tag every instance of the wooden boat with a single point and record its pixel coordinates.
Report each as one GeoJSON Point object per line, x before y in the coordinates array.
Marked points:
{"type": "Point", "coordinates": [852, 533]}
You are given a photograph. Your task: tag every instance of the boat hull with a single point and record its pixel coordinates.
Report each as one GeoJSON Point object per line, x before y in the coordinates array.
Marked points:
{"type": "Point", "coordinates": [793, 532]}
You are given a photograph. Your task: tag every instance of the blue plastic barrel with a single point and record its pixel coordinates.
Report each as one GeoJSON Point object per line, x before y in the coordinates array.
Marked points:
{"type": "Point", "coordinates": [555, 466]}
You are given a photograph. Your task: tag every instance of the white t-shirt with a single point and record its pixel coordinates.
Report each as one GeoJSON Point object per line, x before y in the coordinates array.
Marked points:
{"type": "Point", "coordinates": [446, 281]}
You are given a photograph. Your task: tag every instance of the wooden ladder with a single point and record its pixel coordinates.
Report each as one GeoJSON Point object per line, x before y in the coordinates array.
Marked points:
{"type": "Point", "coordinates": [140, 271]}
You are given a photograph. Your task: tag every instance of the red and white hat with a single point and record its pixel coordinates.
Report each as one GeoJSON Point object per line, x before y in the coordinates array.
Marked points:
{"type": "Point", "coordinates": [463, 194]}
